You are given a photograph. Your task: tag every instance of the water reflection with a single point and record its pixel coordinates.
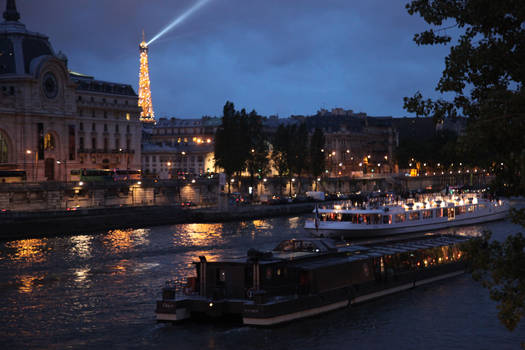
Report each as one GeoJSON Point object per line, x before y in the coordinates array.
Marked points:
{"type": "Point", "coordinates": [28, 250]}
{"type": "Point", "coordinates": [81, 276]}
{"type": "Point", "coordinates": [122, 240]}
{"type": "Point", "coordinates": [27, 283]}
{"type": "Point", "coordinates": [199, 235]}
{"type": "Point", "coordinates": [81, 246]}
{"type": "Point", "coordinates": [293, 222]}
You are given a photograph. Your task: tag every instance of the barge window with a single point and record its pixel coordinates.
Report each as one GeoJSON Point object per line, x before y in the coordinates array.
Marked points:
{"type": "Point", "coordinates": [387, 219]}
{"type": "Point", "coordinates": [269, 273]}
{"type": "Point", "coordinates": [413, 215]}
{"type": "Point", "coordinates": [439, 213]}
{"type": "Point", "coordinates": [427, 214]}
{"type": "Point", "coordinates": [460, 210]}
{"type": "Point", "coordinates": [221, 276]}
{"type": "Point", "coordinates": [400, 218]}
{"type": "Point", "coordinates": [470, 208]}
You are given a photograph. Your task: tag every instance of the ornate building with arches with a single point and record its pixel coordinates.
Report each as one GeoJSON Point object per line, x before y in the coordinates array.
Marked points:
{"type": "Point", "coordinates": [52, 120]}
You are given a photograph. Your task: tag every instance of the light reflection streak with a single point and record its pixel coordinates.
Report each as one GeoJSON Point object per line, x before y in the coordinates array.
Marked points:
{"type": "Point", "coordinates": [293, 222]}
{"type": "Point", "coordinates": [81, 276]}
{"type": "Point", "coordinates": [123, 240]}
{"type": "Point", "coordinates": [81, 246]}
{"type": "Point", "coordinates": [27, 283]}
{"type": "Point", "coordinates": [28, 250]}
{"type": "Point", "coordinates": [199, 234]}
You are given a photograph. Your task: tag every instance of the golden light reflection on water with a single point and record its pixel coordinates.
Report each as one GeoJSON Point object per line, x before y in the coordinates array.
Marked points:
{"type": "Point", "coordinates": [121, 240]}
{"type": "Point", "coordinates": [28, 250]}
{"type": "Point", "coordinates": [27, 283]}
{"type": "Point", "coordinates": [262, 224]}
{"type": "Point", "coordinates": [120, 267]}
{"type": "Point", "coordinates": [293, 222]}
{"type": "Point", "coordinates": [199, 234]}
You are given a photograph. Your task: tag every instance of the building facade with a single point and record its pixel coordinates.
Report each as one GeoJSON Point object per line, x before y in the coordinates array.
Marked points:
{"type": "Point", "coordinates": [53, 121]}
{"type": "Point", "coordinates": [180, 148]}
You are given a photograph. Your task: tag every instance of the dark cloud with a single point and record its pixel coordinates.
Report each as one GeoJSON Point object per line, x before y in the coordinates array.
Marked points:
{"type": "Point", "coordinates": [276, 56]}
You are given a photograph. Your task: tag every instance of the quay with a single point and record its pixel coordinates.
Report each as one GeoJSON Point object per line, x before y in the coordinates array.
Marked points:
{"type": "Point", "coordinates": [15, 225]}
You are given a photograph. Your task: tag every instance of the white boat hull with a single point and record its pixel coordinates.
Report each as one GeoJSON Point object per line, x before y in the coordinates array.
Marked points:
{"type": "Point", "coordinates": [349, 230]}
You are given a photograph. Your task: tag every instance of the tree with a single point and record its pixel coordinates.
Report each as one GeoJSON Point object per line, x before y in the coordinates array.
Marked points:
{"type": "Point", "coordinates": [485, 71]}
{"type": "Point", "coordinates": [500, 267]}
{"type": "Point", "coordinates": [280, 151]}
{"type": "Point", "coordinates": [317, 154]}
{"type": "Point", "coordinates": [298, 156]}
{"type": "Point", "coordinates": [257, 144]}
{"type": "Point", "coordinates": [230, 151]}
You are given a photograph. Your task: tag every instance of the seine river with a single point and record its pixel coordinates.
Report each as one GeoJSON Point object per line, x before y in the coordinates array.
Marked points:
{"type": "Point", "coordinates": [99, 291]}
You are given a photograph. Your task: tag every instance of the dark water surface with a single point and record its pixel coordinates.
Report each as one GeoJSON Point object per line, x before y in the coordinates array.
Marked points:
{"type": "Point", "coordinates": [99, 291]}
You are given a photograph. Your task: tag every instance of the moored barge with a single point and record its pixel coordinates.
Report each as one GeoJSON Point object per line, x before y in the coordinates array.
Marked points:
{"type": "Point", "coordinates": [306, 277]}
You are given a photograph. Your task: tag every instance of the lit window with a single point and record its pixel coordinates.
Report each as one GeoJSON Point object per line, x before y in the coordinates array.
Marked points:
{"type": "Point", "coordinates": [49, 142]}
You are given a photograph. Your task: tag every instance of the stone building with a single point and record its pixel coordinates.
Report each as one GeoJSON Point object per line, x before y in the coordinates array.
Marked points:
{"type": "Point", "coordinates": [53, 121]}
{"type": "Point", "coordinates": [180, 147]}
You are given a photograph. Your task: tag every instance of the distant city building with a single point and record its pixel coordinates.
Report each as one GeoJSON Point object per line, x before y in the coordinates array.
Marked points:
{"type": "Point", "coordinates": [356, 144]}
{"type": "Point", "coordinates": [53, 121]}
{"type": "Point", "coordinates": [179, 147]}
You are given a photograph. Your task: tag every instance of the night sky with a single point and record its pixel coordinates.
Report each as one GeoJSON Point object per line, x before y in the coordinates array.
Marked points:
{"type": "Point", "coordinates": [275, 56]}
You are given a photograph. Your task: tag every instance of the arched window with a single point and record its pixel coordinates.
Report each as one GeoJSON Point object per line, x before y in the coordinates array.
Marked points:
{"type": "Point", "coordinates": [49, 142]}
{"type": "Point", "coordinates": [4, 150]}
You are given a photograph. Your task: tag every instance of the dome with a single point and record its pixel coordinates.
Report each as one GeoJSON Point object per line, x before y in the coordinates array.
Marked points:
{"type": "Point", "coordinates": [18, 46]}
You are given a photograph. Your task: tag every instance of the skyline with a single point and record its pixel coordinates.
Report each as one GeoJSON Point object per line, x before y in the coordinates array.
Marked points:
{"type": "Point", "coordinates": [279, 59]}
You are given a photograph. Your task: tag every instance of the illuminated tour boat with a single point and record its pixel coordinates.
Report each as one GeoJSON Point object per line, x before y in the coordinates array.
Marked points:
{"type": "Point", "coordinates": [431, 213]}
{"type": "Point", "coordinates": [306, 277]}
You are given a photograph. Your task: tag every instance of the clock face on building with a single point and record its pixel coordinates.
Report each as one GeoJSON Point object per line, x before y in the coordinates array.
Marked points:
{"type": "Point", "coordinates": [50, 85]}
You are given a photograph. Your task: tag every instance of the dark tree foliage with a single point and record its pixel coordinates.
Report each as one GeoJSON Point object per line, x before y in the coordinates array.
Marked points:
{"type": "Point", "coordinates": [257, 144]}
{"type": "Point", "coordinates": [316, 154]}
{"type": "Point", "coordinates": [230, 141]}
{"type": "Point", "coordinates": [500, 267]}
{"type": "Point", "coordinates": [298, 150]}
{"type": "Point", "coordinates": [280, 153]}
{"type": "Point", "coordinates": [439, 149]}
{"type": "Point", "coordinates": [485, 71]}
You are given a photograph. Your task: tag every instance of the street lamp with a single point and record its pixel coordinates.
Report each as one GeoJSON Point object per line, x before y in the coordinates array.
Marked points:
{"type": "Point", "coordinates": [28, 152]}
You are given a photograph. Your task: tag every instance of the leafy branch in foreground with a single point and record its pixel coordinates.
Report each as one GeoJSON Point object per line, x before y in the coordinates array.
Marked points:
{"type": "Point", "coordinates": [500, 267]}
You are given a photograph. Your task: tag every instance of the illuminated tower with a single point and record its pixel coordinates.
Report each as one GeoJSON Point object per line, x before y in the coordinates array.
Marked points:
{"type": "Point", "coordinates": [147, 115]}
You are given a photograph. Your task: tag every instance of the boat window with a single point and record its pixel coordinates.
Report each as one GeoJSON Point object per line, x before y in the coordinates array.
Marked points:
{"type": "Point", "coordinates": [376, 219]}
{"type": "Point", "coordinates": [221, 276]}
{"type": "Point", "coordinates": [439, 212]}
{"type": "Point", "coordinates": [413, 215]}
{"type": "Point", "coordinates": [387, 219]}
{"type": "Point", "coordinates": [470, 208]}
{"type": "Point", "coordinates": [269, 273]}
{"type": "Point", "coordinates": [400, 218]}
{"type": "Point", "coordinates": [427, 214]}
{"type": "Point", "coordinates": [460, 210]}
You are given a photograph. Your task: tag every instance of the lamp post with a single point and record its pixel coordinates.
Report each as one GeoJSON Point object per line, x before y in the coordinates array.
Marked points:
{"type": "Point", "coordinates": [28, 153]}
